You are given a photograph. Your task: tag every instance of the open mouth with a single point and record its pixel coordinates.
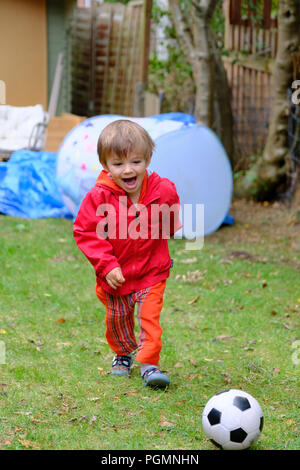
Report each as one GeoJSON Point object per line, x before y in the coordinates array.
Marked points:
{"type": "Point", "coordinates": [129, 182]}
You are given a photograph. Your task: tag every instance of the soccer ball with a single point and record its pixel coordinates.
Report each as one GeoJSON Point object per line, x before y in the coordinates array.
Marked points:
{"type": "Point", "coordinates": [232, 419]}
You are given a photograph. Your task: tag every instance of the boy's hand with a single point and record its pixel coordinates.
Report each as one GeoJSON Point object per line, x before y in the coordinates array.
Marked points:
{"type": "Point", "coordinates": [115, 278]}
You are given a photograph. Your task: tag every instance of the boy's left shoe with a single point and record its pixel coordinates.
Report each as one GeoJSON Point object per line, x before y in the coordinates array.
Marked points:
{"type": "Point", "coordinates": [155, 378]}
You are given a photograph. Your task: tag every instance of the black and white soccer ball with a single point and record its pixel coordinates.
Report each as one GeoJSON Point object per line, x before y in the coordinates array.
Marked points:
{"type": "Point", "coordinates": [232, 419]}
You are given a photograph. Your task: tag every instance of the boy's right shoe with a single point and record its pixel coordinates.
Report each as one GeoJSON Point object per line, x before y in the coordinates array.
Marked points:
{"type": "Point", "coordinates": [155, 378]}
{"type": "Point", "coordinates": [121, 365]}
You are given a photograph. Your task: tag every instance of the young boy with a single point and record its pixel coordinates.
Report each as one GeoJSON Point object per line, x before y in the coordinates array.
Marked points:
{"type": "Point", "coordinates": [122, 227]}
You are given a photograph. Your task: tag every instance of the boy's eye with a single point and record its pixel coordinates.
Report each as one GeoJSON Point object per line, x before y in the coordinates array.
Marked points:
{"type": "Point", "coordinates": [117, 164]}
{"type": "Point", "coordinates": [137, 161]}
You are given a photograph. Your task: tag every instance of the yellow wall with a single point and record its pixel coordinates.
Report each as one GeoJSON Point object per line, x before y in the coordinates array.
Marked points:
{"type": "Point", "coordinates": [23, 51]}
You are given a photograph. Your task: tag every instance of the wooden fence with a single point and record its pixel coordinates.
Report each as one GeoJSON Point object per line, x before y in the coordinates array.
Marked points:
{"type": "Point", "coordinates": [108, 52]}
{"type": "Point", "coordinates": [251, 40]}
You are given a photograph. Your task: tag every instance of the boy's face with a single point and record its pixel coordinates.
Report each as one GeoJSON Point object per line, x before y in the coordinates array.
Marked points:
{"type": "Point", "coordinates": [128, 173]}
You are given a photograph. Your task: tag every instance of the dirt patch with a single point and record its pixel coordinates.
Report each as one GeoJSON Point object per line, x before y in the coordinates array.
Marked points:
{"type": "Point", "coordinates": [273, 225]}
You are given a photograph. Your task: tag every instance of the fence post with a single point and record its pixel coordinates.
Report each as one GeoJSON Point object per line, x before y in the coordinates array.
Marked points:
{"type": "Point", "coordinates": [91, 105]}
{"type": "Point", "coordinates": [139, 100]}
{"type": "Point", "coordinates": [145, 39]}
{"type": "Point", "coordinates": [140, 87]}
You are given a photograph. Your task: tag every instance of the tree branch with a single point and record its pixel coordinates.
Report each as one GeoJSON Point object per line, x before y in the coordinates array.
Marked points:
{"type": "Point", "coordinates": [205, 7]}
{"type": "Point", "coordinates": [183, 31]}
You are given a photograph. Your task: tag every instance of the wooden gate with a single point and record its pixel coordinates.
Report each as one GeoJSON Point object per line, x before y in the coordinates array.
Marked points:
{"type": "Point", "coordinates": [109, 46]}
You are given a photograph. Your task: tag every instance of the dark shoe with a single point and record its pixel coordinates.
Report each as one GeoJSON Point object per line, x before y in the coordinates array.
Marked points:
{"type": "Point", "coordinates": [155, 378]}
{"type": "Point", "coordinates": [121, 365]}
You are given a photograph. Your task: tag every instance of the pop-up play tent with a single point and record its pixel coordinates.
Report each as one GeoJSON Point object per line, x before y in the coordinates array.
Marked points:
{"type": "Point", "coordinates": [188, 154]}
{"type": "Point", "coordinates": [78, 163]}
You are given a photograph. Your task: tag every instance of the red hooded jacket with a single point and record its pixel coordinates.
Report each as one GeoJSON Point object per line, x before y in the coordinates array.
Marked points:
{"type": "Point", "coordinates": [144, 260]}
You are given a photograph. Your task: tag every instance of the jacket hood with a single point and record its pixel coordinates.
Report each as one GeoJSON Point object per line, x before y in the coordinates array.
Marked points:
{"type": "Point", "coordinates": [150, 185]}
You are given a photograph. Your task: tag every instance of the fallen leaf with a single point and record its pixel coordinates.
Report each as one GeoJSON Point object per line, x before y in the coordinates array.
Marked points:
{"type": "Point", "coordinates": [35, 420]}
{"type": "Point", "coordinates": [101, 340]}
{"type": "Point", "coordinates": [290, 422]}
{"type": "Point", "coordinates": [18, 429]}
{"type": "Point", "coordinates": [241, 254]}
{"type": "Point", "coordinates": [192, 376]}
{"type": "Point", "coordinates": [166, 423]}
{"type": "Point", "coordinates": [178, 364]}
{"type": "Point", "coordinates": [3, 332]}
{"type": "Point", "coordinates": [60, 320]}
{"type": "Point", "coordinates": [192, 361]}
{"type": "Point", "coordinates": [189, 260]}
{"type": "Point", "coordinates": [132, 393]}
{"type": "Point", "coordinates": [83, 418]}
{"type": "Point", "coordinates": [191, 302]}
{"type": "Point", "coordinates": [264, 284]}
{"type": "Point", "coordinates": [227, 377]}
{"type": "Point", "coordinates": [25, 443]}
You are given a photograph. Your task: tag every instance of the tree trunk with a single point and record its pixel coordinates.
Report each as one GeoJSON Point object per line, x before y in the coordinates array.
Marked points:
{"type": "Point", "coordinates": [202, 61]}
{"type": "Point", "coordinates": [269, 174]}
{"type": "Point", "coordinates": [223, 117]}
{"type": "Point", "coordinates": [212, 103]}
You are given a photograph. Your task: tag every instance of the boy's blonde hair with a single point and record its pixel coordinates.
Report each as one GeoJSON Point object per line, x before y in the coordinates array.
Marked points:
{"type": "Point", "coordinates": [123, 137]}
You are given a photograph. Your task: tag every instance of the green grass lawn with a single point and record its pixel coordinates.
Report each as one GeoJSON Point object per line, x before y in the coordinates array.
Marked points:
{"type": "Point", "coordinates": [230, 320]}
